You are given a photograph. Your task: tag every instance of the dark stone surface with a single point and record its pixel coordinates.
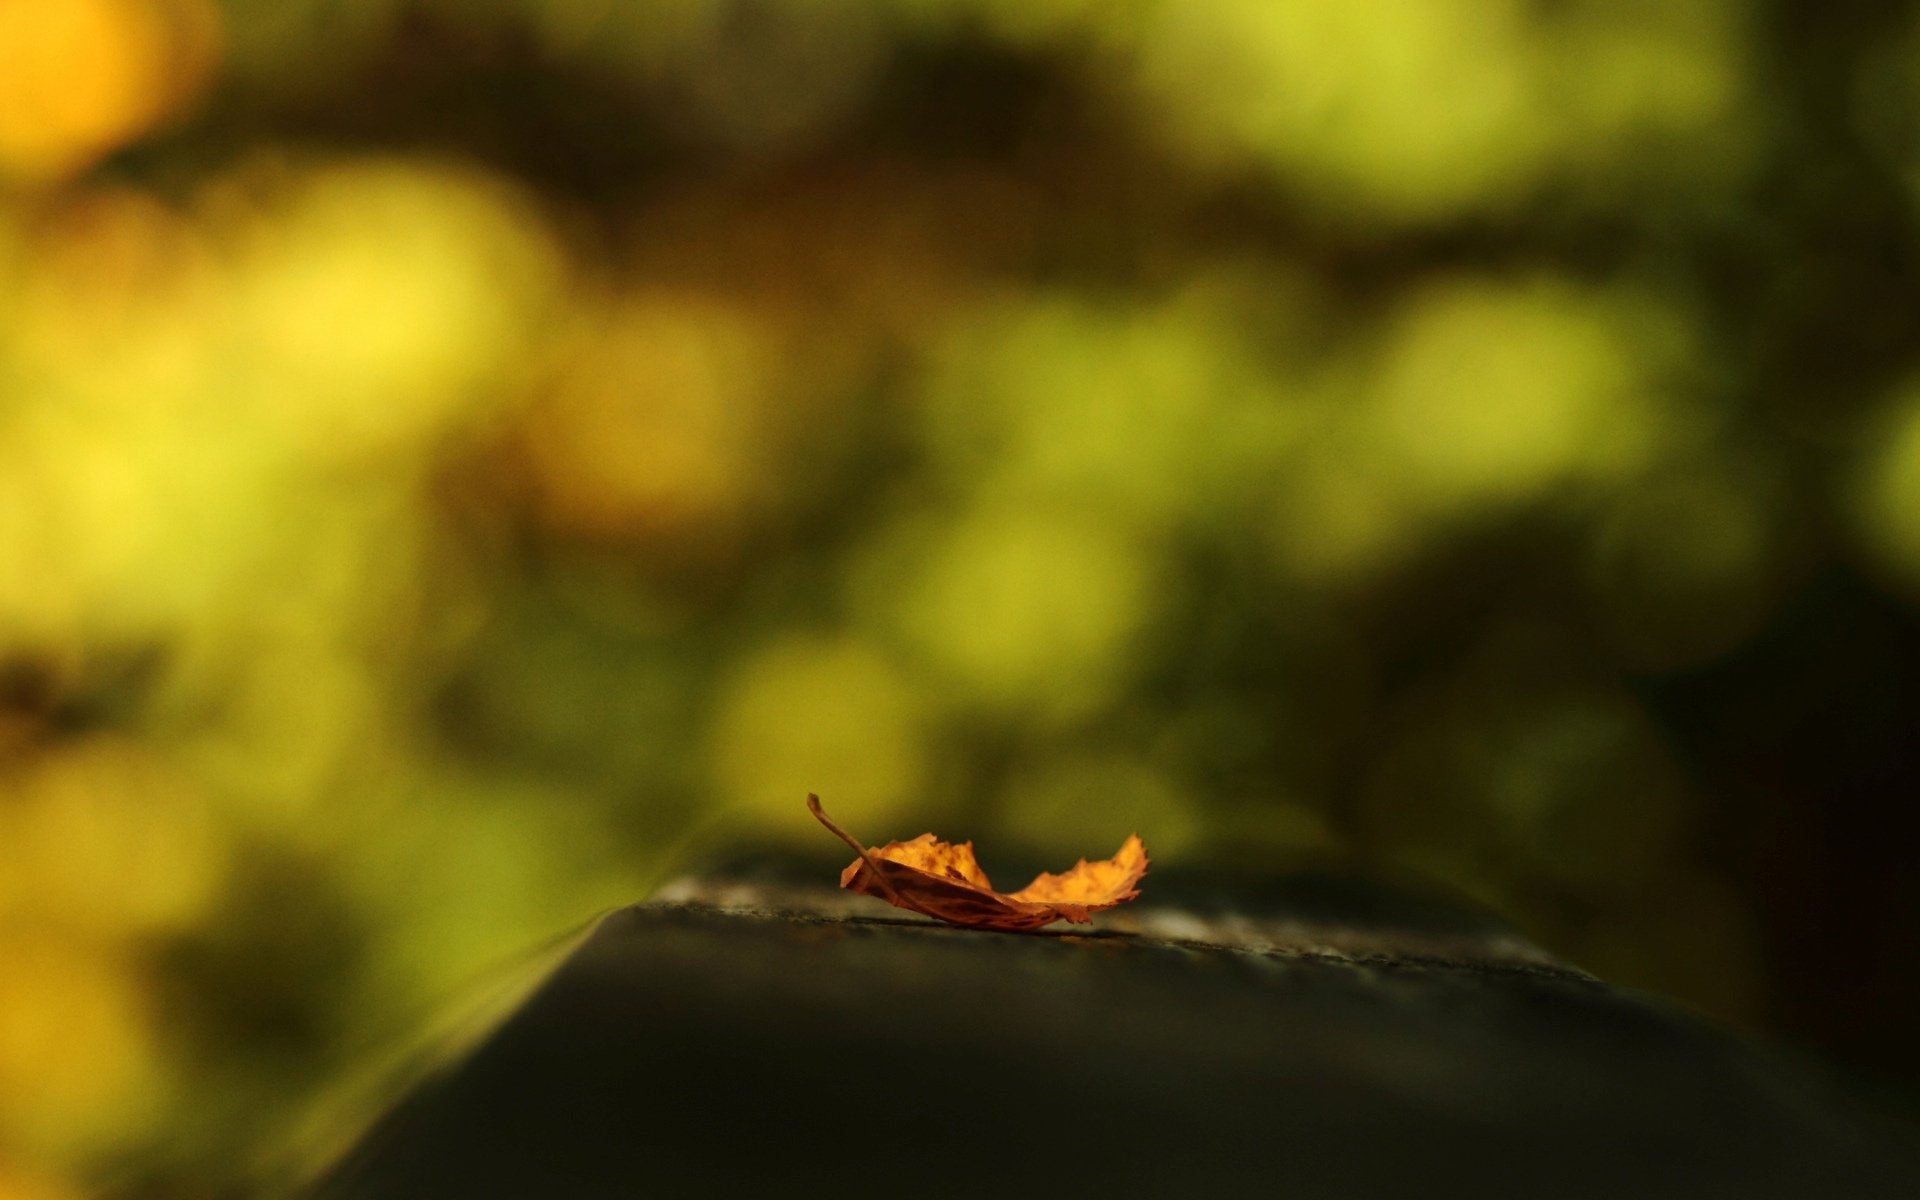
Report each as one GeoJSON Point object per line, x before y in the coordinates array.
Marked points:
{"type": "Point", "coordinates": [752, 1041]}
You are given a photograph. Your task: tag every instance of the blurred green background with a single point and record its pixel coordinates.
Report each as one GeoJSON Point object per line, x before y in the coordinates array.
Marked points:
{"type": "Point", "coordinates": [465, 461]}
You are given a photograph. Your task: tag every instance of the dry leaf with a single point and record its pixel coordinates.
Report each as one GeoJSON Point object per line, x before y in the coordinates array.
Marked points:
{"type": "Point", "coordinates": [944, 882]}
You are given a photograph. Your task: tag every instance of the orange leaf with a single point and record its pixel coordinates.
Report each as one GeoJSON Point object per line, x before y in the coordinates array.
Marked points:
{"type": "Point", "coordinates": [944, 882]}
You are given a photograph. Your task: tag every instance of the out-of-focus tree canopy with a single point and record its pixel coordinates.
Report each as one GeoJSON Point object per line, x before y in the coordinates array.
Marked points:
{"type": "Point", "coordinates": [462, 461]}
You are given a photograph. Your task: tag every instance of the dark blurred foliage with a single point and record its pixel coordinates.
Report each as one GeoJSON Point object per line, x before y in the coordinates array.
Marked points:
{"type": "Point", "coordinates": [465, 461]}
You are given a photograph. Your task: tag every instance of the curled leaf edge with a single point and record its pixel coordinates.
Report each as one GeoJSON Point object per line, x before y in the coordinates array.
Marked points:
{"type": "Point", "coordinates": [872, 862]}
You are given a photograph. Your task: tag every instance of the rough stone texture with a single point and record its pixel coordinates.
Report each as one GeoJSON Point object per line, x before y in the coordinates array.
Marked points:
{"type": "Point", "coordinates": [746, 1039]}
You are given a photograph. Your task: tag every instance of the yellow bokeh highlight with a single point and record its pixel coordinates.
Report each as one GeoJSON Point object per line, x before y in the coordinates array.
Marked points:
{"type": "Point", "coordinates": [17, 1183]}
{"type": "Point", "coordinates": [1473, 398]}
{"type": "Point", "coordinates": [1886, 492]}
{"type": "Point", "coordinates": [118, 305]}
{"type": "Point", "coordinates": [1025, 610]}
{"type": "Point", "coordinates": [1486, 394]}
{"type": "Point", "coordinates": [188, 380]}
{"type": "Point", "coordinates": [1414, 106]}
{"type": "Point", "coordinates": [825, 714]}
{"type": "Point", "coordinates": [110, 349]}
{"type": "Point", "coordinates": [79, 1065]}
{"type": "Point", "coordinates": [1412, 111]}
{"type": "Point", "coordinates": [1668, 76]}
{"type": "Point", "coordinates": [387, 304]}
{"type": "Point", "coordinates": [657, 425]}
{"type": "Point", "coordinates": [79, 78]}
{"type": "Point", "coordinates": [1151, 416]}
{"type": "Point", "coordinates": [97, 523]}
{"type": "Point", "coordinates": [112, 839]}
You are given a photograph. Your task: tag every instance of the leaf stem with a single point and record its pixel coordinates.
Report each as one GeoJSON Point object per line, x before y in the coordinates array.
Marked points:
{"type": "Point", "coordinates": [866, 856]}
